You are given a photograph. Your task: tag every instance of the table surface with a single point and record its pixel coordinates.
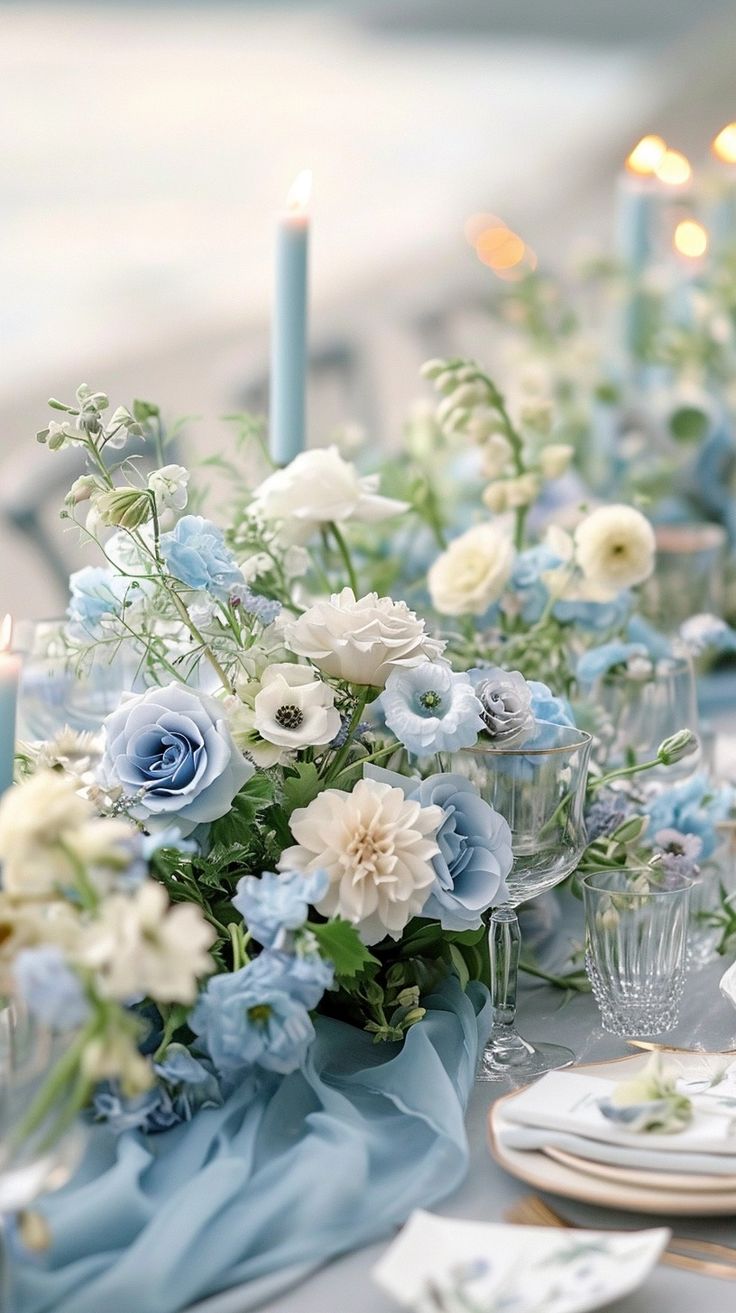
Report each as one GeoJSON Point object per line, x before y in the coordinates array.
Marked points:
{"type": "Point", "coordinates": [707, 1021]}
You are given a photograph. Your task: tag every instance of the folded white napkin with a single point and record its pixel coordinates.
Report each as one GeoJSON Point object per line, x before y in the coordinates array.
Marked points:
{"type": "Point", "coordinates": [569, 1103]}
{"type": "Point", "coordinates": [439, 1262]}
{"type": "Point", "coordinates": [596, 1151]}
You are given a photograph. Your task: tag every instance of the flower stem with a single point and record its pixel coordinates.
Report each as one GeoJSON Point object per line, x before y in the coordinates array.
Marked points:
{"type": "Point", "coordinates": [342, 754]}
{"type": "Point", "coordinates": [622, 773]}
{"type": "Point", "coordinates": [343, 549]}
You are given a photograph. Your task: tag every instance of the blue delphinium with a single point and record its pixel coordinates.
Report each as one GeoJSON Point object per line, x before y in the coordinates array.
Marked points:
{"type": "Point", "coordinates": [184, 1086]}
{"type": "Point", "coordinates": [195, 553]}
{"type": "Point", "coordinates": [308, 975]}
{"type": "Point", "coordinates": [598, 661]}
{"type": "Point", "coordinates": [432, 709]}
{"type": "Point", "coordinates": [253, 1017]}
{"type": "Point", "coordinates": [694, 806]}
{"type": "Point", "coordinates": [275, 904]}
{"type": "Point", "coordinates": [49, 988]}
{"type": "Point", "coordinates": [474, 843]}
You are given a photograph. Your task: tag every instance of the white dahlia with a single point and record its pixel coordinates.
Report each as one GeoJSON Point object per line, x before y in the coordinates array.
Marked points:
{"type": "Point", "coordinates": [377, 849]}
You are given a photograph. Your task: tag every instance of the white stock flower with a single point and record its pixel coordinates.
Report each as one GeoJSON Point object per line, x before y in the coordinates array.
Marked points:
{"type": "Point", "coordinates": [615, 547]}
{"type": "Point", "coordinates": [494, 497]}
{"type": "Point", "coordinates": [320, 487]}
{"type": "Point", "coordinates": [141, 944]}
{"type": "Point", "coordinates": [473, 571]}
{"type": "Point", "coordinates": [376, 847]}
{"type": "Point", "coordinates": [496, 455]}
{"type": "Point", "coordinates": [37, 818]}
{"type": "Point", "coordinates": [169, 487]}
{"type": "Point", "coordinates": [555, 459]}
{"type": "Point", "coordinates": [521, 491]}
{"type": "Point", "coordinates": [363, 639]}
{"type": "Point", "coordinates": [294, 708]}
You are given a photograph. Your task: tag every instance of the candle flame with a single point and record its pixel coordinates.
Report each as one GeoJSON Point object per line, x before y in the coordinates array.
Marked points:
{"type": "Point", "coordinates": [297, 198]}
{"type": "Point", "coordinates": [647, 155]}
{"type": "Point", "coordinates": [6, 633]}
{"type": "Point", "coordinates": [690, 238]}
{"type": "Point", "coordinates": [723, 144]}
{"type": "Point", "coordinates": [674, 168]}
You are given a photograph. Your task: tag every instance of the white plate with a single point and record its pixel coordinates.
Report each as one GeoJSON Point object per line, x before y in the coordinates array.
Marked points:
{"type": "Point", "coordinates": [549, 1174]}
{"type": "Point", "coordinates": [641, 1177]}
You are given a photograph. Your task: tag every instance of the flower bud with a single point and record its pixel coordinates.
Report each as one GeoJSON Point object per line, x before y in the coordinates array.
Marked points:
{"type": "Point", "coordinates": [555, 459]}
{"type": "Point", "coordinates": [677, 746]}
{"type": "Point", "coordinates": [497, 453]}
{"type": "Point", "coordinates": [433, 368]}
{"type": "Point", "coordinates": [82, 489]}
{"type": "Point", "coordinates": [537, 415]}
{"type": "Point", "coordinates": [416, 1014]}
{"type": "Point", "coordinates": [469, 394]}
{"type": "Point", "coordinates": [494, 497]}
{"type": "Point", "coordinates": [125, 508]}
{"type": "Point", "coordinates": [522, 491]}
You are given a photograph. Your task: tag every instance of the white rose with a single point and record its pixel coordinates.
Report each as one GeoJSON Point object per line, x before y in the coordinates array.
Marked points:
{"type": "Point", "coordinates": [555, 459]}
{"type": "Point", "coordinates": [361, 640]}
{"type": "Point", "coordinates": [319, 487]}
{"type": "Point", "coordinates": [169, 487]}
{"type": "Point", "coordinates": [473, 572]}
{"type": "Point", "coordinates": [615, 547]}
{"type": "Point", "coordinates": [376, 847]}
{"type": "Point", "coordinates": [294, 709]}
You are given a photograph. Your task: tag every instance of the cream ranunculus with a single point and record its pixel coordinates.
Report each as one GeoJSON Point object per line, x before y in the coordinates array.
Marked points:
{"type": "Point", "coordinates": [615, 547]}
{"type": "Point", "coordinates": [294, 709]}
{"type": "Point", "coordinates": [361, 640]}
{"type": "Point", "coordinates": [377, 849]}
{"type": "Point", "coordinates": [319, 487]}
{"type": "Point", "coordinates": [473, 572]}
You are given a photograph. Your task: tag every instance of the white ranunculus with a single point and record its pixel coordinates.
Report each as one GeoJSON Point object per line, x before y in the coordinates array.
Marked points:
{"type": "Point", "coordinates": [615, 547]}
{"type": "Point", "coordinates": [377, 849]}
{"type": "Point", "coordinates": [473, 571]}
{"type": "Point", "coordinates": [361, 640]}
{"type": "Point", "coordinates": [169, 487]}
{"type": "Point", "coordinates": [555, 459]}
{"type": "Point", "coordinates": [294, 709]}
{"type": "Point", "coordinates": [320, 487]}
{"type": "Point", "coordinates": [141, 944]}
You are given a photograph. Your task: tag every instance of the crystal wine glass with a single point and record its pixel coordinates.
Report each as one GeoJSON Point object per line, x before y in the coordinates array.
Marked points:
{"type": "Point", "coordinates": [539, 787]}
{"type": "Point", "coordinates": [33, 1160]}
{"type": "Point", "coordinates": [56, 691]}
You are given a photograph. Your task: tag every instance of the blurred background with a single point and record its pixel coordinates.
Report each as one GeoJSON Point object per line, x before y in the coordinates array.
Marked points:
{"type": "Point", "coordinates": [146, 148]}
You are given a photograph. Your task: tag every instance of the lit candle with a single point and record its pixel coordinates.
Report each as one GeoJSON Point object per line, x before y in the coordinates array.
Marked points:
{"type": "Point", "coordinates": [636, 209]}
{"type": "Point", "coordinates": [289, 334]}
{"type": "Point", "coordinates": [723, 220]}
{"type": "Point", "coordinates": [9, 676]}
{"type": "Point", "coordinates": [689, 246]}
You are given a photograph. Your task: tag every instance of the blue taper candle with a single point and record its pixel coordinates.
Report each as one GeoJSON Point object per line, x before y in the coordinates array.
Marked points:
{"type": "Point", "coordinates": [289, 332]}
{"type": "Point", "coordinates": [9, 676]}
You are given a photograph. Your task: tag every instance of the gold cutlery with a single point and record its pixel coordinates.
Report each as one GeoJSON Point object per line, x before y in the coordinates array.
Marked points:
{"type": "Point", "coordinates": [704, 1257]}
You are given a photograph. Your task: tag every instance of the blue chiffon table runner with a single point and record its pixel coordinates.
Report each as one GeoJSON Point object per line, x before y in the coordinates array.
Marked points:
{"type": "Point", "coordinates": [260, 1192]}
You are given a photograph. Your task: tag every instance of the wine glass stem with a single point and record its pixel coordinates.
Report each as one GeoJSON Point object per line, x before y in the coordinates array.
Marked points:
{"type": "Point", "coordinates": [504, 943]}
{"type": "Point", "coordinates": [6, 1276]}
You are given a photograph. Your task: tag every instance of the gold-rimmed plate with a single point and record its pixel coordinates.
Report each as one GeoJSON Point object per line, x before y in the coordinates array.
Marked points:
{"type": "Point", "coordinates": [565, 1175]}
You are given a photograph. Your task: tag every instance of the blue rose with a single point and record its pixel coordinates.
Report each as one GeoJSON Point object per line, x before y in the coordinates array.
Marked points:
{"type": "Point", "coordinates": [253, 1017]}
{"type": "Point", "coordinates": [273, 904]}
{"type": "Point", "coordinates": [195, 553]}
{"type": "Point", "coordinates": [474, 842]}
{"type": "Point", "coordinates": [171, 751]}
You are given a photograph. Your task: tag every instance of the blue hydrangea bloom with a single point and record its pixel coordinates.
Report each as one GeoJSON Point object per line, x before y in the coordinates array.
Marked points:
{"type": "Point", "coordinates": [474, 842]}
{"type": "Point", "coordinates": [549, 707]}
{"type": "Point", "coordinates": [597, 617]}
{"type": "Point", "coordinates": [275, 903]}
{"type": "Point", "coordinates": [527, 583]}
{"type": "Point", "coordinates": [639, 630]}
{"type": "Point", "coordinates": [598, 661]}
{"type": "Point", "coordinates": [694, 806]}
{"type": "Point", "coordinates": [49, 988]}
{"type": "Point", "coordinates": [195, 553]}
{"type": "Point", "coordinates": [432, 709]}
{"type": "Point", "coordinates": [253, 1017]}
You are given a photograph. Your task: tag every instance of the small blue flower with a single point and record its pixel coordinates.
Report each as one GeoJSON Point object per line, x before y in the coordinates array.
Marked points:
{"type": "Point", "coordinates": [252, 1017]}
{"type": "Point", "coordinates": [707, 633]}
{"type": "Point", "coordinates": [184, 1086]}
{"type": "Point", "coordinates": [694, 806]}
{"type": "Point", "coordinates": [598, 661]}
{"type": "Point", "coordinates": [474, 842]}
{"type": "Point", "coordinates": [431, 709]}
{"type": "Point", "coordinates": [597, 617]}
{"type": "Point", "coordinates": [265, 609]}
{"type": "Point", "coordinates": [274, 903]}
{"type": "Point", "coordinates": [606, 813]}
{"type": "Point", "coordinates": [526, 580]}
{"type": "Point", "coordinates": [98, 594]}
{"type": "Point", "coordinates": [195, 553]}
{"type": "Point", "coordinates": [49, 988]}
{"type": "Point", "coordinates": [147, 1113]}
{"type": "Point", "coordinates": [308, 976]}
{"type": "Point", "coordinates": [549, 707]}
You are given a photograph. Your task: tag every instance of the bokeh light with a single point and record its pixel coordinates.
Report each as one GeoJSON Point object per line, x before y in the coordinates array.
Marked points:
{"type": "Point", "coordinates": [723, 144]}
{"type": "Point", "coordinates": [674, 168]}
{"type": "Point", "coordinates": [690, 239]}
{"type": "Point", "coordinates": [646, 155]}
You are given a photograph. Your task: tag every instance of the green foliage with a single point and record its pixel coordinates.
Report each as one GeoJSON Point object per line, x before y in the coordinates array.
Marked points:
{"type": "Point", "coordinates": [340, 942]}
{"type": "Point", "coordinates": [301, 786]}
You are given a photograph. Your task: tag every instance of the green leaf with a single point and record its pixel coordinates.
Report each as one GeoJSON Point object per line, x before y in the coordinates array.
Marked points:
{"type": "Point", "coordinates": [339, 941]}
{"type": "Point", "coordinates": [689, 424]}
{"type": "Point", "coordinates": [253, 797]}
{"type": "Point", "coordinates": [459, 965]}
{"type": "Point", "coordinates": [301, 787]}
{"type": "Point", "coordinates": [144, 410]}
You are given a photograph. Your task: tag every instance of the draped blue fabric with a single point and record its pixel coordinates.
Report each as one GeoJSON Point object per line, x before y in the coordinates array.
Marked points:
{"type": "Point", "coordinates": [260, 1192]}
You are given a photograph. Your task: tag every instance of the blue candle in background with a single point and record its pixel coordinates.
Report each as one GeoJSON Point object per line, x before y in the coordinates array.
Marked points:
{"type": "Point", "coordinates": [289, 332]}
{"type": "Point", "coordinates": [723, 216]}
{"type": "Point", "coordinates": [9, 676]}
